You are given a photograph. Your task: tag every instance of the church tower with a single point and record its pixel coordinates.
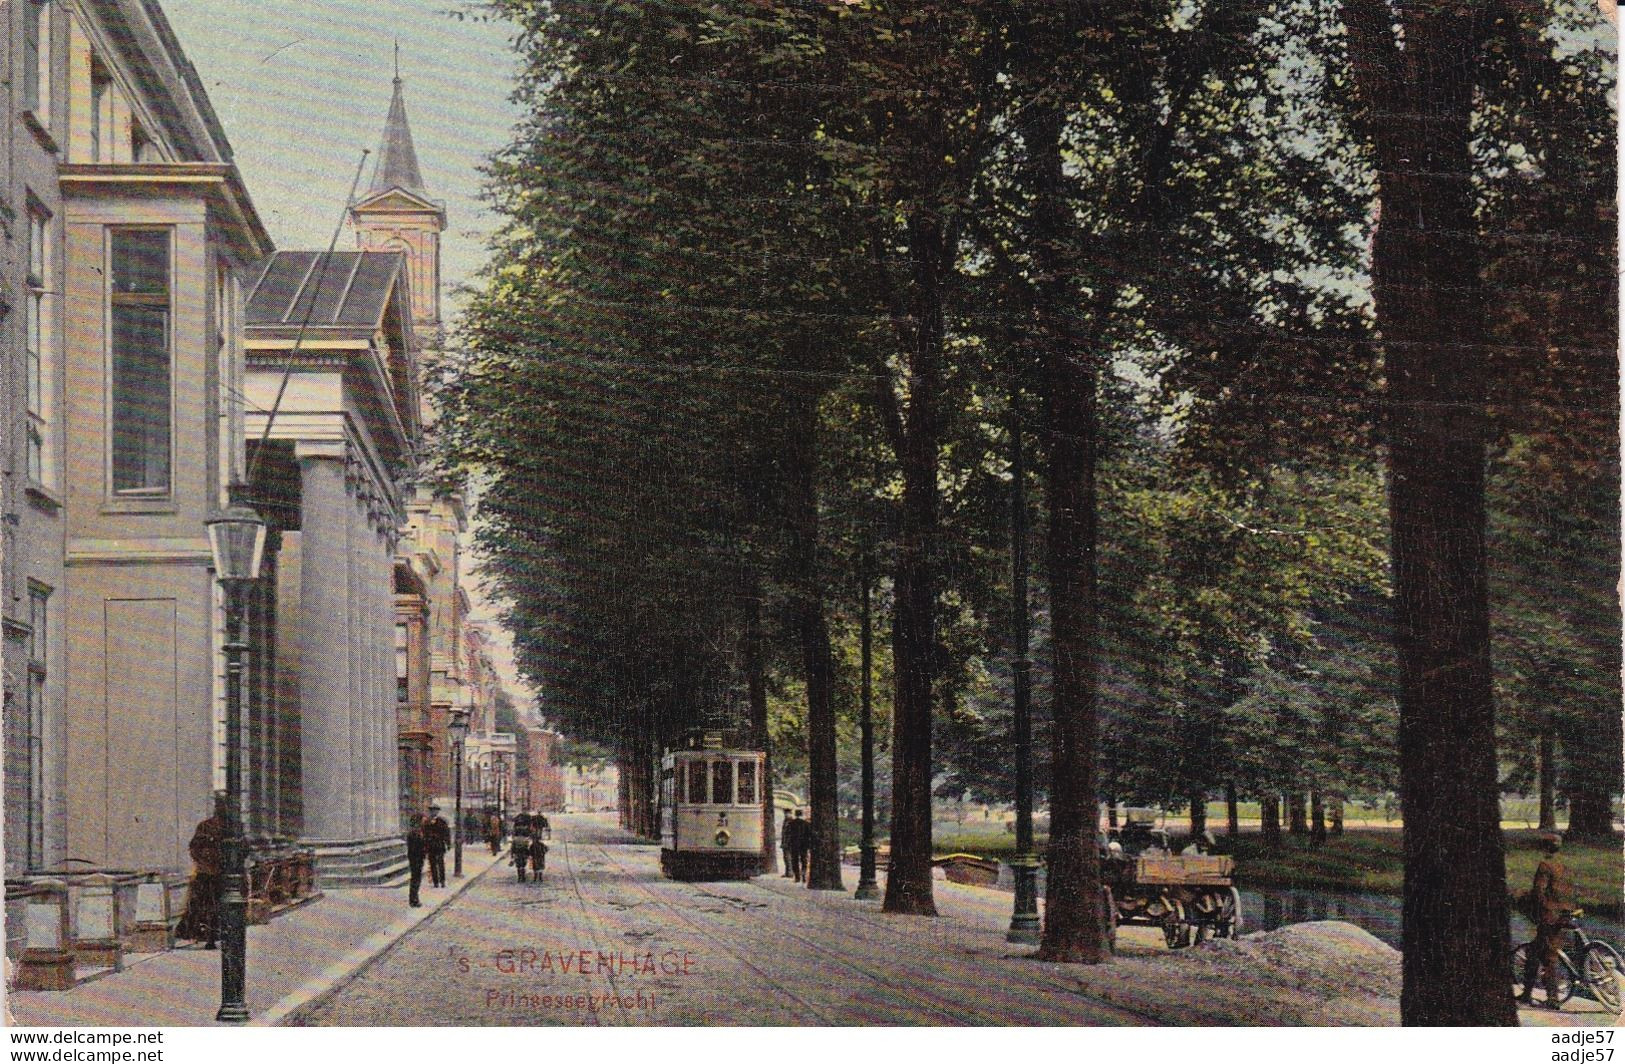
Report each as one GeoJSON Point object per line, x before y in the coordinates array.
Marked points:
{"type": "Point", "coordinates": [397, 214]}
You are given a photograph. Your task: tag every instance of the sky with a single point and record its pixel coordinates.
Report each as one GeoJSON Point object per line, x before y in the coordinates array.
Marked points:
{"type": "Point", "coordinates": [303, 86]}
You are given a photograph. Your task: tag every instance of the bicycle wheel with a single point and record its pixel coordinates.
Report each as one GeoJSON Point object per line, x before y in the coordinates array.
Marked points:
{"type": "Point", "coordinates": [1566, 974]}
{"type": "Point", "coordinates": [1520, 962]}
{"type": "Point", "coordinates": [1600, 968]}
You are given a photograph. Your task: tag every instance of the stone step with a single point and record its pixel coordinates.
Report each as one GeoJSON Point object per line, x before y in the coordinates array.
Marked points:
{"type": "Point", "coordinates": [364, 863]}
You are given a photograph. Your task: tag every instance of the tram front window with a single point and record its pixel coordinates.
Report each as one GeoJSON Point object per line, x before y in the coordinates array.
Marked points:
{"type": "Point", "coordinates": [696, 783]}
{"type": "Point", "coordinates": [747, 783]}
{"type": "Point", "coordinates": [722, 782]}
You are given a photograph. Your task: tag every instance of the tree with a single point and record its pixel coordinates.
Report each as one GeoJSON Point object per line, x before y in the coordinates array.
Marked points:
{"type": "Point", "coordinates": [1418, 97]}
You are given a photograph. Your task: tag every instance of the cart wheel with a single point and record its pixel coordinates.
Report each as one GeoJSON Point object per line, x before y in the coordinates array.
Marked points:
{"type": "Point", "coordinates": [1236, 923]}
{"type": "Point", "coordinates": [1175, 931]}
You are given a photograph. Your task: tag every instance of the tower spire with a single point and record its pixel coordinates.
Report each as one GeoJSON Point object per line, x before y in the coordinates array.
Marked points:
{"type": "Point", "coordinates": [398, 157]}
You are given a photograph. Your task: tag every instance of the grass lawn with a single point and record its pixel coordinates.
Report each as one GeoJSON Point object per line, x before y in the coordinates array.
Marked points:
{"type": "Point", "coordinates": [1370, 860]}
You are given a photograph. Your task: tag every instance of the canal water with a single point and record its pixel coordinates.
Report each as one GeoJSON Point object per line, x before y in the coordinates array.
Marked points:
{"type": "Point", "coordinates": [1266, 909]}
{"type": "Point", "coordinates": [1269, 908]}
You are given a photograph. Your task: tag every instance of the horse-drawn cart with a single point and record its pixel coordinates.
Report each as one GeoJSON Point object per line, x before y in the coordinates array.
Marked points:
{"type": "Point", "coordinates": [1192, 898]}
{"type": "Point", "coordinates": [1191, 895]}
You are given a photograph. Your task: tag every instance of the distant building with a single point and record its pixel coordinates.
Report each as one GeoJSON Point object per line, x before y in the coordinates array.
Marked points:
{"type": "Point", "coordinates": [542, 781]}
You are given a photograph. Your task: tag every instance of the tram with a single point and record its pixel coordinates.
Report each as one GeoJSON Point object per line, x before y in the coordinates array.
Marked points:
{"type": "Point", "coordinates": [711, 809]}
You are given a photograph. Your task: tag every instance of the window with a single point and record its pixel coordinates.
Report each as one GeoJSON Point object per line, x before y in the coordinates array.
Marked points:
{"type": "Point", "coordinates": [141, 146]}
{"type": "Point", "coordinates": [696, 783]}
{"type": "Point", "coordinates": [39, 362]}
{"type": "Point", "coordinates": [141, 361]}
{"type": "Point", "coordinates": [38, 655]}
{"type": "Point", "coordinates": [101, 114]}
{"type": "Point", "coordinates": [722, 782]}
{"type": "Point", "coordinates": [747, 783]}
{"type": "Point", "coordinates": [403, 680]}
{"type": "Point", "coordinates": [37, 59]}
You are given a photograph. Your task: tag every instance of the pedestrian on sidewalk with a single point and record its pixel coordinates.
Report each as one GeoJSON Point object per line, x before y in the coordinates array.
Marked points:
{"type": "Point", "coordinates": [416, 849]}
{"type": "Point", "coordinates": [800, 846]}
{"type": "Point", "coordinates": [493, 832]}
{"type": "Point", "coordinates": [785, 848]}
{"type": "Point", "coordinates": [201, 920]}
{"type": "Point", "coordinates": [436, 841]}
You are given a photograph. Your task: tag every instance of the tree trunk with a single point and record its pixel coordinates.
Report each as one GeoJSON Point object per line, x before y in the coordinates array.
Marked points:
{"type": "Point", "coordinates": [1546, 765]}
{"type": "Point", "coordinates": [1111, 812]}
{"type": "Point", "coordinates": [1269, 819]}
{"type": "Point", "coordinates": [1297, 819]}
{"type": "Point", "coordinates": [1591, 814]}
{"type": "Point", "coordinates": [1317, 818]}
{"type": "Point", "coordinates": [756, 693]}
{"type": "Point", "coordinates": [1198, 802]}
{"type": "Point", "coordinates": [1232, 810]}
{"type": "Point", "coordinates": [818, 660]}
{"type": "Point", "coordinates": [1074, 920]}
{"type": "Point", "coordinates": [1425, 278]}
{"type": "Point", "coordinates": [824, 870]}
{"type": "Point", "coordinates": [914, 649]}
{"type": "Point", "coordinates": [1335, 812]}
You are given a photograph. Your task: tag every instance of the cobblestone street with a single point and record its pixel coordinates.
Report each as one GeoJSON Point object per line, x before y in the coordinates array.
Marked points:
{"type": "Point", "coordinates": [605, 940]}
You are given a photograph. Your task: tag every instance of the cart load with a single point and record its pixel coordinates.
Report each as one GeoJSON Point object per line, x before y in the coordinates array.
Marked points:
{"type": "Point", "coordinates": [1191, 896]}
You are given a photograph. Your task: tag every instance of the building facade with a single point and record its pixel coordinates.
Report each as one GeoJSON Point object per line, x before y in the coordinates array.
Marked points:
{"type": "Point", "coordinates": [332, 386]}
{"type": "Point", "coordinates": [123, 431]}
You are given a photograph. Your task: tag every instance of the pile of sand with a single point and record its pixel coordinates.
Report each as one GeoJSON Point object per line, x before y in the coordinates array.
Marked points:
{"type": "Point", "coordinates": [1325, 973]}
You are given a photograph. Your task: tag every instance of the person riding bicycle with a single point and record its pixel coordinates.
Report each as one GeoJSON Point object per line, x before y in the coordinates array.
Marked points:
{"type": "Point", "coordinates": [1551, 900]}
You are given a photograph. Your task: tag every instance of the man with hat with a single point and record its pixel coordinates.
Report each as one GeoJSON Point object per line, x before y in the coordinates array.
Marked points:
{"type": "Point", "coordinates": [1551, 903]}
{"type": "Point", "coordinates": [436, 841]}
{"type": "Point", "coordinates": [416, 850]}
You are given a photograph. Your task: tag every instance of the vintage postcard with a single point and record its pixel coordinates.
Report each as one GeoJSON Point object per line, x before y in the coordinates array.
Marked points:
{"type": "Point", "coordinates": [834, 513]}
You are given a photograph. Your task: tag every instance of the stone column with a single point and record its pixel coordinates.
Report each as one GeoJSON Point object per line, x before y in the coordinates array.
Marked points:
{"type": "Point", "coordinates": [356, 688]}
{"type": "Point", "coordinates": [328, 775]}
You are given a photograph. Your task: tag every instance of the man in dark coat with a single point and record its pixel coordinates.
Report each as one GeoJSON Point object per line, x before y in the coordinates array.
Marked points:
{"type": "Point", "coordinates": [416, 850]}
{"type": "Point", "coordinates": [201, 920]}
{"type": "Point", "coordinates": [539, 830]}
{"type": "Point", "coordinates": [436, 841]}
{"type": "Point", "coordinates": [785, 848]}
{"type": "Point", "coordinates": [1551, 905]}
{"type": "Point", "coordinates": [800, 835]}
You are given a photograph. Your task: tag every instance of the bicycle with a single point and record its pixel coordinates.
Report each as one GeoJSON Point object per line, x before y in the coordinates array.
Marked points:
{"type": "Point", "coordinates": [1600, 973]}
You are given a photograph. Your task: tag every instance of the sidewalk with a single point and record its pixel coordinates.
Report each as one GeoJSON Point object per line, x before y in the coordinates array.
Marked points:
{"type": "Point", "coordinates": [291, 960]}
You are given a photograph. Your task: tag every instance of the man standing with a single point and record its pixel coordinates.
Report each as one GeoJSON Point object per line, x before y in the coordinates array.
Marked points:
{"type": "Point", "coordinates": [784, 846]}
{"type": "Point", "coordinates": [493, 832]}
{"type": "Point", "coordinates": [800, 845]}
{"type": "Point", "coordinates": [201, 920]}
{"type": "Point", "coordinates": [436, 841]}
{"type": "Point", "coordinates": [1551, 904]}
{"type": "Point", "coordinates": [416, 849]}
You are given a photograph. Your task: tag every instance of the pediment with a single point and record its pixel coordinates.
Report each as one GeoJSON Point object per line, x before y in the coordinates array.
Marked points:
{"type": "Point", "coordinates": [396, 199]}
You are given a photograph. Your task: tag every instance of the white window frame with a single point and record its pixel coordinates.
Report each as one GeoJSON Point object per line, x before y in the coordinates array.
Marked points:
{"type": "Point", "coordinates": [39, 348]}
{"type": "Point", "coordinates": [164, 494]}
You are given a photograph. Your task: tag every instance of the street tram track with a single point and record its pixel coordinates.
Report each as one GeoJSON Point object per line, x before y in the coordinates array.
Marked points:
{"type": "Point", "coordinates": [1071, 988]}
{"type": "Point", "coordinates": [565, 848]}
{"type": "Point", "coordinates": [950, 1016]}
{"type": "Point", "coordinates": [709, 936]}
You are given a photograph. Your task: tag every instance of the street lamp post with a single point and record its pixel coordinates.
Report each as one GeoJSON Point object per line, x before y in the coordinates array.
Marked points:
{"type": "Point", "coordinates": [237, 542]}
{"type": "Point", "coordinates": [867, 886]}
{"type": "Point", "coordinates": [458, 727]}
{"type": "Point", "coordinates": [1024, 926]}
